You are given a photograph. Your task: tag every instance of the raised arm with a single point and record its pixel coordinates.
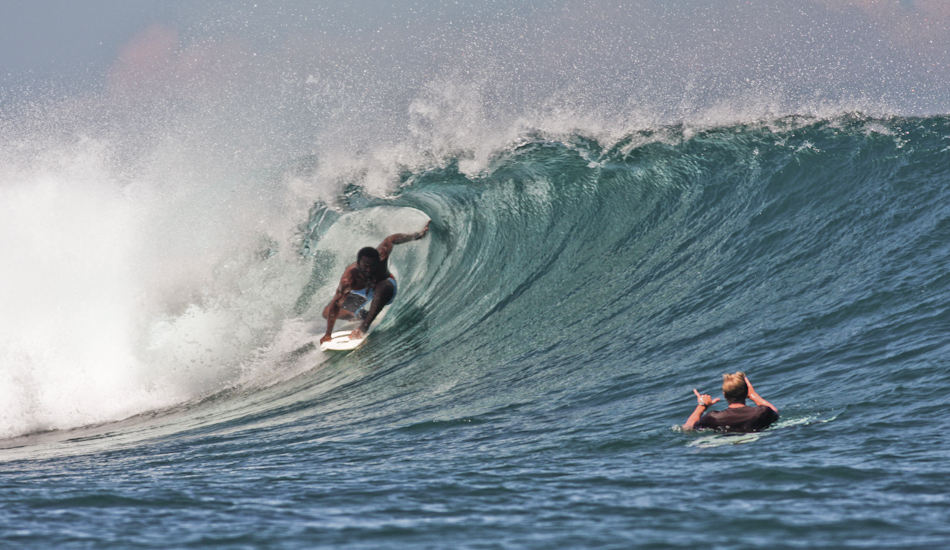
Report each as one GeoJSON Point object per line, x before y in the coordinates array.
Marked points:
{"type": "Point", "coordinates": [399, 238]}
{"type": "Point", "coordinates": [756, 398]}
{"type": "Point", "coordinates": [702, 403]}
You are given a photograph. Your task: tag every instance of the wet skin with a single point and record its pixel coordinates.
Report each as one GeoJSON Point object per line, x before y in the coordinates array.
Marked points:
{"type": "Point", "coordinates": [367, 272]}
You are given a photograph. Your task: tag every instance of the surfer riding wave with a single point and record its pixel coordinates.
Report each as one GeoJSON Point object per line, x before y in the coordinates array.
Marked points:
{"type": "Point", "coordinates": [366, 281]}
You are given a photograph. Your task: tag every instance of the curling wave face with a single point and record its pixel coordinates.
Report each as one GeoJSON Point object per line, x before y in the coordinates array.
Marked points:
{"type": "Point", "coordinates": [565, 263]}
{"type": "Point", "coordinates": [542, 349]}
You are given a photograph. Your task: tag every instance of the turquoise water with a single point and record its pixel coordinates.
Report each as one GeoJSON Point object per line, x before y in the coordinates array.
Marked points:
{"type": "Point", "coordinates": [525, 389]}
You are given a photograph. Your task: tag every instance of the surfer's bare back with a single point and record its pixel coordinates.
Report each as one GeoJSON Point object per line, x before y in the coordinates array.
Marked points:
{"type": "Point", "coordinates": [368, 281]}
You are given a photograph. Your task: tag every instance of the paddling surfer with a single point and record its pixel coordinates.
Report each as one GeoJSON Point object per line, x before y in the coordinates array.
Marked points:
{"type": "Point", "coordinates": [737, 417]}
{"type": "Point", "coordinates": [368, 281]}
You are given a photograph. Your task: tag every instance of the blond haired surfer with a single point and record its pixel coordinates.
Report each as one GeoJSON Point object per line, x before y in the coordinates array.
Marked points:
{"type": "Point", "coordinates": [737, 417]}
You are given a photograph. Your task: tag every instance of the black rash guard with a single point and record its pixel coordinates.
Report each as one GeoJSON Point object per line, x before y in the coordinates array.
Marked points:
{"type": "Point", "coordinates": [738, 419]}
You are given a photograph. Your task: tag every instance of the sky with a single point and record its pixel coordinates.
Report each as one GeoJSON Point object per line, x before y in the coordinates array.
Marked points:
{"type": "Point", "coordinates": [47, 38]}
{"type": "Point", "coordinates": [895, 51]}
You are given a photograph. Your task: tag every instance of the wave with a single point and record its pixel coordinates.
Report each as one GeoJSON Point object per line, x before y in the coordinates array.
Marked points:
{"type": "Point", "coordinates": [724, 247]}
{"type": "Point", "coordinates": [560, 267]}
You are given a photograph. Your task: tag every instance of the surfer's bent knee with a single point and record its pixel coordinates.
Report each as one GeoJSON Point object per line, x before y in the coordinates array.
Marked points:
{"type": "Point", "coordinates": [386, 291]}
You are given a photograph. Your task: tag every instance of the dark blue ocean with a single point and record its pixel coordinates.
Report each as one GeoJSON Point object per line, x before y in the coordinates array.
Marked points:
{"type": "Point", "coordinates": [525, 388]}
{"type": "Point", "coordinates": [603, 240]}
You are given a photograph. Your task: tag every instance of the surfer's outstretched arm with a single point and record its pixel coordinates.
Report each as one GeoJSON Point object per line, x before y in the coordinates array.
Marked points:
{"type": "Point", "coordinates": [703, 402]}
{"type": "Point", "coordinates": [399, 238]}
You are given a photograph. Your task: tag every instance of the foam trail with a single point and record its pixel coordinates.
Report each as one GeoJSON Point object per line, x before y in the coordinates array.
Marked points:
{"type": "Point", "coordinates": [132, 281]}
{"type": "Point", "coordinates": [70, 297]}
{"type": "Point", "coordinates": [134, 288]}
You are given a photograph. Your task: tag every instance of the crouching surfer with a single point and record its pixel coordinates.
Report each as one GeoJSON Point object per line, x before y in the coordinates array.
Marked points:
{"type": "Point", "coordinates": [737, 417]}
{"type": "Point", "coordinates": [368, 281]}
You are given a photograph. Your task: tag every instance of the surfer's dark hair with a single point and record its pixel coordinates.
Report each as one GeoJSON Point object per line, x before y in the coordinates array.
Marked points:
{"type": "Point", "coordinates": [368, 251]}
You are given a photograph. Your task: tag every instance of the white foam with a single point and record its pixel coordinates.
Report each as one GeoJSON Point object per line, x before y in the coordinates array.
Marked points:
{"type": "Point", "coordinates": [131, 286]}
{"type": "Point", "coordinates": [127, 294]}
{"type": "Point", "coordinates": [66, 352]}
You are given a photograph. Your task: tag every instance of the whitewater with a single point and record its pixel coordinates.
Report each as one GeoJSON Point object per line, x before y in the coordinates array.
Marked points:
{"type": "Point", "coordinates": [607, 233]}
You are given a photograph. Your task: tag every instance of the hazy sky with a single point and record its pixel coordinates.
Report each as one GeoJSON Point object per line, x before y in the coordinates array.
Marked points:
{"type": "Point", "coordinates": [49, 37]}
{"type": "Point", "coordinates": [886, 48]}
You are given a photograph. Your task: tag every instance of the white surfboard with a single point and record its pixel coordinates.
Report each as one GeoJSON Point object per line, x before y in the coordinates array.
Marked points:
{"type": "Point", "coordinates": [340, 341]}
{"type": "Point", "coordinates": [720, 439]}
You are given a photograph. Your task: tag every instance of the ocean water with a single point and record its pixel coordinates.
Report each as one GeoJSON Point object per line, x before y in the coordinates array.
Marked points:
{"type": "Point", "coordinates": [166, 262]}
{"type": "Point", "coordinates": [525, 389]}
